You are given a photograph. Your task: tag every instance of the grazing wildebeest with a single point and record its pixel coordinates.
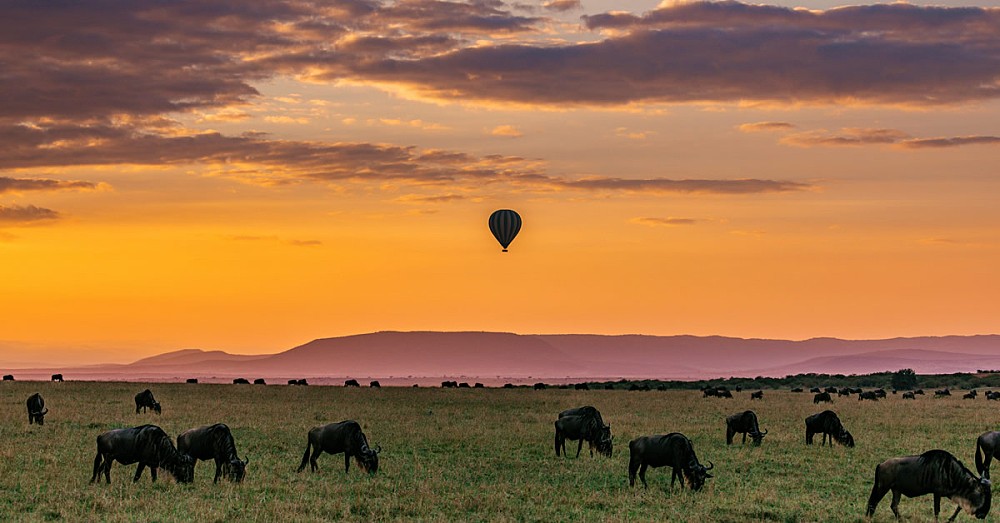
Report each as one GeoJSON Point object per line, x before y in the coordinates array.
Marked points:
{"type": "Point", "coordinates": [214, 442]}
{"type": "Point", "coordinates": [815, 390]}
{"type": "Point", "coordinates": [464, 385]}
{"type": "Point", "coordinates": [870, 395]}
{"type": "Point", "coordinates": [346, 437]}
{"type": "Point", "coordinates": [478, 385]}
{"type": "Point", "coordinates": [36, 409]}
{"type": "Point", "coordinates": [710, 391]}
{"type": "Point", "coordinates": [351, 383]}
{"type": "Point", "coordinates": [581, 386]}
{"type": "Point", "coordinates": [909, 396]}
{"type": "Point", "coordinates": [879, 393]}
{"type": "Point", "coordinates": [725, 394]}
{"type": "Point", "coordinates": [8, 377]}
{"type": "Point", "coordinates": [301, 381]}
{"type": "Point", "coordinates": [508, 385]}
{"type": "Point", "coordinates": [759, 395]}
{"type": "Point", "coordinates": [241, 381]}
{"type": "Point", "coordinates": [145, 399]}
{"type": "Point", "coordinates": [987, 448]}
{"type": "Point", "coordinates": [293, 382]}
{"type": "Point", "coordinates": [375, 384]}
{"type": "Point", "coordinates": [746, 423]}
{"type": "Point", "coordinates": [667, 450]}
{"type": "Point", "coordinates": [828, 424]}
{"type": "Point", "coordinates": [584, 424]}
{"type": "Point", "coordinates": [449, 384]}
{"type": "Point", "coordinates": [192, 380]}
{"type": "Point", "coordinates": [844, 391]}
{"type": "Point", "coordinates": [990, 395]}
{"type": "Point", "coordinates": [57, 377]}
{"type": "Point", "coordinates": [797, 389]}
{"type": "Point", "coordinates": [934, 472]}
{"type": "Point", "coordinates": [942, 393]}
{"type": "Point", "coordinates": [146, 444]}
{"type": "Point", "coordinates": [919, 392]}
{"type": "Point", "coordinates": [831, 390]}
{"type": "Point", "coordinates": [259, 381]}
{"type": "Point", "coordinates": [969, 395]}
{"type": "Point", "coordinates": [540, 386]}
{"type": "Point", "coordinates": [821, 397]}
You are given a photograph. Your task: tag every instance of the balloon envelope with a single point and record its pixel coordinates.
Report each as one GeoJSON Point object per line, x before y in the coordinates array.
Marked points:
{"type": "Point", "coordinates": [504, 224]}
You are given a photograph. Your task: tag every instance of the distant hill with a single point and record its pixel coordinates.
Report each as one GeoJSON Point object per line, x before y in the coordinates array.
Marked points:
{"type": "Point", "coordinates": [494, 355]}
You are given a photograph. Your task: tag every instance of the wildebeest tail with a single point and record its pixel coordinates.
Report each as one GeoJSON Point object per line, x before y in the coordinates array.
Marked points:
{"type": "Point", "coordinates": [557, 439]}
{"type": "Point", "coordinates": [305, 456]}
{"type": "Point", "coordinates": [979, 457]}
{"type": "Point", "coordinates": [875, 496]}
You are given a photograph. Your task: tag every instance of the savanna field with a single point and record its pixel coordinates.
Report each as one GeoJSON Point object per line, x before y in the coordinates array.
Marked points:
{"type": "Point", "coordinates": [467, 455]}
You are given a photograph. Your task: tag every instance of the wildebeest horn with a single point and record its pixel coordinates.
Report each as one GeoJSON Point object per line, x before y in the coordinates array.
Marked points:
{"type": "Point", "coordinates": [984, 481]}
{"type": "Point", "coordinates": [710, 466]}
{"type": "Point", "coordinates": [378, 448]}
{"type": "Point", "coordinates": [763, 433]}
{"type": "Point", "coordinates": [245, 461]}
{"type": "Point", "coordinates": [46, 411]}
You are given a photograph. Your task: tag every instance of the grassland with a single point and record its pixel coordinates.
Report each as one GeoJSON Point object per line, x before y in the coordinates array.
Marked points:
{"type": "Point", "coordinates": [464, 455]}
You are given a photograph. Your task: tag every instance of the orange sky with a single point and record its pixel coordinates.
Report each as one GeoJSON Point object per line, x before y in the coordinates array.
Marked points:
{"type": "Point", "coordinates": [295, 171]}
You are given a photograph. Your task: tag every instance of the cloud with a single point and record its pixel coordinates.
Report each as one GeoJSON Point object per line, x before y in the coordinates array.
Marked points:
{"type": "Point", "coordinates": [893, 137]}
{"type": "Point", "coordinates": [562, 5]}
{"type": "Point", "coordinates": [664, 222]}
{"type": "Point", "coordinates": [508, 131]}
{"type": "Point", "coordinates": [664, 185]}
{"type": "Point", "coordinates": [276, 239]}
{"type": "Point", "coordinates": [17, 185]}
{"type": "Point", "coordinates": [439, 198]}
{"type": "Point", "coordinates": [631, 135]}
{"type": "Point", "coordinates": [26, 214]}
{"type": "Point", "coordinates": [955, 141]}
{"type": "Point", "coordinates": [765, 127]}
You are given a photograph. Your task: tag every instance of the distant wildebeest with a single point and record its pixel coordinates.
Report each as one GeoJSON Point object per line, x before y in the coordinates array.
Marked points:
{"type": "Point", "coordinates": [508, 385]}
{"type": "Point", "coordinates": [449, 384]}
{"type": "Point", "coordinates": [36, 409]}
{"type": "Point", "coordinates": [375, 384]}
{"type": "Point", "coordinates": [145, 399]}
{"type": "Point", "coordinates": [969, 395]}
{"type": "Point", "coordinates": [815, 390]}
{"type": "Point", "coordinates": [584, 424]}
{"type": "Point", "coordinates": [844, 391]}
{"type": "Point", "coordinates": [828, 423]}
{"type": "Point", "coordinates": [919, 392]}
{"type": "Point", "coordinates": [739, 388]}
{"type": "Point", "coordinates": [744, 423]}
{"type": "Point", "coordinates": [301, 381]}
{"type": "Point", "coordinates": [293, 382]}
{"type": "Point", "coordinates": [987, 448]}
{"type": "Point", "coordinates": [909, 396]}
{"type": "Point", "coordinates": [942, 393]}
{"type": "Point", "coordinates": [934, 472]}
{"type": "Point", "coordinates": [478, 385]}
{"type": "Point", "coordinates": [581, 386]}
{"type": "Point", "coordinates": [346, 437]}
{"type": "Point", "coordinates": [241, 381]}
{"type": "Point", "coordinates": [759, 395]}
{"type": "Point", "coordinates": [464, 385]}
{"type": "Point", "coordinates": [822, 397]}
{"type": "Point", "coordinates": [667, 450]}
{"type": "Point", "coordinates": [259, 381]}
{"type": "Point", "coordinates": [351, 383]}
{"type": "Point", "coordinates": [609, 386]}
{"type": "Point", "coordinates": [57, 377]}
{"type": "Point", "coordinates": [192, 380]}
{"type": "Point", "coordinates": [540, 386]}
{"type": "Point", "coordinates": [146, 444]}
{"type": "Point", "coordinates": [797, 389]}
{"type": "Point", "coordinates": [879, 393]}
{"type": "Point", "coordinates": [709, 392]}
{"type": "Point", "coordinates": [831, 390]}
{"type": "Point", "coordinates": [8, 377]}
{"type": "Point", "coordinates": [990, 395]}
{"type": "Point", "coordinates": [661, 387]}
{"type": "Point", "coordinates": [725, 394]}
{"type": "Point", "coordinates": [870, 395]}
{"type": "Point", "coordinates": [214, 442]}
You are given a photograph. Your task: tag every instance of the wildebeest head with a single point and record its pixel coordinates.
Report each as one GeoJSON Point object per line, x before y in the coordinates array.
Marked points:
{"type": "Point", "coordinates": [604, 442]}
{"type": "Point", "coordinates": [757, 436]}
{"type": "Point", "coordinates": [696, 474]}
{"type": "Point", "coordinates": [845, 438]}
{"type": "Point", "coordinates": [185, 468]}
{"type": "Point", "coordinates": [978, 503]}
{"type": "Point", "coordinates": [40, 416]}
{"type": "Point", "coordinates": [156, 407]}
{"type": "Point", "coordinates": [368, 459]}
{"type": "Point", "coordinates": [236, 469]}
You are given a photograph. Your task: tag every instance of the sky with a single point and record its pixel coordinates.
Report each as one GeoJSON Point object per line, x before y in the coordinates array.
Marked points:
{"type": "Point", "coordinates": [249, 176]}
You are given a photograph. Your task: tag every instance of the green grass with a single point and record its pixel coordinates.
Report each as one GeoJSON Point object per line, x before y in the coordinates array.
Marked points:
{"type": "Point", "coordinates": [465, 455]}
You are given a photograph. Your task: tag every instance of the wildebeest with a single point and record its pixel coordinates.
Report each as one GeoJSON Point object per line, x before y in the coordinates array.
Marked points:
{"type": "Point", "coordinates": [759, 395]}
{"type": "Point", "coordinates": [36, 409]}
{"type": "Point", "coordinates": [710, 391]}
{"type": "Point", "coordinates": [214, 442]}
{"type": "Point", "coordinates": [942, 393]}
{"type": "Point", "coordinates": [725, 394]}
{"type": "Point", "coordinates": [540, 386]}
{"type": "Point", "coordinates": [241, 381]}
{"type": "Point", "coordinates": [797, 389]}
{"type": "Point", "coordinates": [744, 423]}
{"type": "Point", "coordinates": [293, 382]}
{"type": "Point", "coordinates": [584, 424]}
{"type": "Point", "coordinates": [969, 395]}
{"type": "Point", "coordinates": [581, 386]}
{"type": "Point", "coordinates": [192, 380]}
{"type": "Point", "coordinates": [508, 385]}
{"type": "Point", "coordinates": [909, 396]}
{"type": "Point", "coordinates": [259, 381]}
{"type": "Point", "coordinates": [375, 384]}
{"type": "Point", "coordinates": [609, 386]}
{"type": "Point", "coordinates": [919, 392]}
{"type": "Point", "coordinates": [478, 385]}
{"type": "Point", "coordinates": [145, 399]}
{"type": "Point", "coordinates": [934, 472]}
{"type": "Point", "coordinates": [990, 395]}
{"type": "Point", "coordinates": [351, 383]}
{"type": "Point", "coordinates": [870, 395]}
{"type": "Point", "coordinates": [449, 384]}
{"type": "Point", "coordinates": [464, 385]}
{"type": "Point", "coordinates": [828, 423]}
{"type": "Point", "coordinates": [815, 390]}
{"type": "Point", "coordinates": [301, 381]}
{"type": "Point", "coordinates": [8, 377]}
{"type": "Point", "coordinates": [879, 393]}
{"type": "Point", "coordinates": [821, 397]}
{"type": "Point", "coordinates": [146, 444]}
{"type": "Point", "coordinates": [831, 390]}
{"type": "Point", "coordinates": [987, 448]}
{"type": "Point", "coordinates": [844, 391]}
{"type": "Point", "coordinates": [667, 450]}
{"type": "Point", "coordinates": [345, 436]}
{"type": "Point", "coordinates": [57, 377]}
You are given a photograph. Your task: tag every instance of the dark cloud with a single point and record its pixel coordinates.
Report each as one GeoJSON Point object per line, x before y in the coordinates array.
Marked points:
{"type": "Point", "coordinates": [894, 137]}
{"type": "Point", "coordinates": [36, 184]}
{"type": "Point", "coordinates": [663, 185]}
{"type": "Point", "coordinates": [26, 214]}
{"type": "Point", "coordinates": [956, 141]}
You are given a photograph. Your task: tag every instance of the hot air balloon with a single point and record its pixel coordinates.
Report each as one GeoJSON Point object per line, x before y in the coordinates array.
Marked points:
{"type": "Point", "coordinates": [504, 224]}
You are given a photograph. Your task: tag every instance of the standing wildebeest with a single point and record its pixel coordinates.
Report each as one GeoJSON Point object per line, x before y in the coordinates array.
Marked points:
{"type": "Point", "coordinates": [345, 437]}
{"type": "Point", "coordinates": [879, 393]}
{"type": "Point", "coordinates": [988, 444]}
{"type": "Point", "coordinates": [540, 386]}
{"type": "Point", "coordinates": [759, 395]}
{"type": "Point", "coordinates": [746, 423]}
{"type": "Point", "coordinates": [449, 384]}
{"type": "Point", "coordinates": [828, 423]}
{"type": "Point", "coordinates": [797, 389]}
{"type": "Point", "coordinates": [57, 377]}
{"type": "Point", "coordinates": [301, 381]}
{"type": "Point", "coordinates": [214, 442]}
{"type": "Point", "coordinates": [464, 385]}
{"type": "Point", "coordinates": [941, 393]}
{"type": "Point", "coordinates": [969, 395]}
{"type": "Point", "coordinates": [478, 385]}
{"type": "Point", "coordinates": [8, 377]}
{"type": "Point", "coordinates": [148, 445]}
{"type": "Point", "coordinates": [375, 384]}
{"type": "Point", "coordinates": [844, 391]}
{"type": "Point", "coordinates": [934, 472]}
{"type": "Point", "coordinates": [351, 383]}
{"type": "Point", "coordinates": [821, 397]}
{"type": "Point", "coordinates": [870, 395]}
{"type": "Point", "coordinates": [667, 450]}
{"type": "Point", "coordinates": [241, 381]}
{"type": "Point", "coordinates": [725, 394]}
{"type": "Point", "coordinates": [990, 395]}
{"type": "Point", "coordinates": [35, 409]}
{"type": "Point", "coordinates": [192, 380]}
{"type": "Point", "coordinates": [145, 399]}
{"type": "Point", "coordinates": [815, 390]}
{"type": "Point", "coordinates": [259, 381]}
{"type": "Point", "coordinates": [584, 424]}
{"type": "Point", "coordinates": [581, 386]}
{"type": "Point", "coordinates": [919, 392]}
{"type": "Point", "coordinates": [909, 396]}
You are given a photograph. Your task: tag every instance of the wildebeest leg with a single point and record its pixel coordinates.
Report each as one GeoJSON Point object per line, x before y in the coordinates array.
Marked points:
{"type": "Point", "coordinates": [937, 506]}
{"type": "Point", "coordinates": [107, 470]}
{"type": "Point", "coordinates": [97, 467]}
{"type": "Point", "coordinates": [642, 475]}
{"type": "Point", "coordinates": [347, 461]}
{"type": "Point", "coordinates": [152, 471]}
{"type": "Point", "coordinates": [560, 442]}
{"type": "Point", "coordinates": [633, 466]}
{"type": "Point", "coordinates": [895, 503]}
{"type": "Point", "coordinates": [809, 437]}
{"type": "Point", "coordinates": [823, 443]}
{"type": "Point", "coordinates": [218, 471]}
{"type": "Point", "coordinates": [876, 496]}
{"type": "Point", "coordinates": [744, 438]}
{"type": "Point", "coordinates": [312, 459]}
{"type": "Point", "coordinates": [579, 448]}
{"type": "Point", "coordinates": [955, 515]}
{"type": "Point", "coordinates": [138, 471]}
{"type": "Point", "coordinates": [305, 457]}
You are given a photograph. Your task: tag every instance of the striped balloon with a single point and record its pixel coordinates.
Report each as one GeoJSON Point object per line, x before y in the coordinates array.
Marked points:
{"type": "Point", "coordinates": [504, 224]}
